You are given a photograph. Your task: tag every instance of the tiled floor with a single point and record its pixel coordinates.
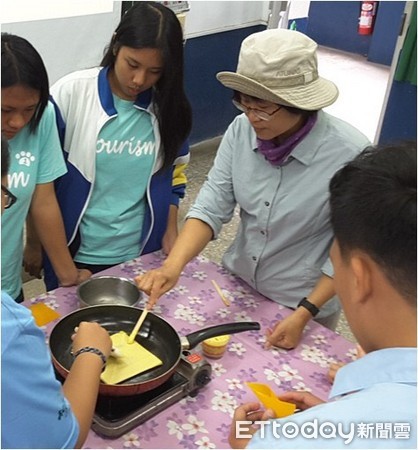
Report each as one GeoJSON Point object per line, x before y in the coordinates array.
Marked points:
{"type": "Point", "coordinates": [362, 88]}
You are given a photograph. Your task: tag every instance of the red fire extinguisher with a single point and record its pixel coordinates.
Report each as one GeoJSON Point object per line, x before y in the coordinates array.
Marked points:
{"type": "Point", "coordinates": [367, 17]}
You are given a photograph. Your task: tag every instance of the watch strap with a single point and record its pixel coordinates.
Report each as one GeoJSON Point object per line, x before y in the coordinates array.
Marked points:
{"type": "Point", "coordinates": [314, 310]}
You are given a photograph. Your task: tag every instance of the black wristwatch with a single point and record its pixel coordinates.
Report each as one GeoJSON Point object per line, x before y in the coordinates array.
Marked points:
{"type": "Point", "coordinates": [314, 310]}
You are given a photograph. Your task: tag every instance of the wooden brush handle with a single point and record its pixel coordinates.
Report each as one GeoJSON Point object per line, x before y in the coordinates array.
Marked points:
{"type": "Point", "coordinates": [137, 326]}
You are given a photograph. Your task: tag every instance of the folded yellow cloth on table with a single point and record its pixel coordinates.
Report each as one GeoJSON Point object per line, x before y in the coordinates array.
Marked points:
{"type": "Point", "coordinates": [270, 400]}
{"type": "Point", "coordinates": [43, 314]}
{"type": "Point", "coordinates": [133, 360]}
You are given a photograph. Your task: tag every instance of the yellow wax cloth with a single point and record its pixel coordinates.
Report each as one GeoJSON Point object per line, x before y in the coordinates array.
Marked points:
{"type": "Point", "coordinates": [133, 360]}
{"type": "Point", "coordinates": [43, 314]}
{"type": "Point", "coordinates": [269, 399]}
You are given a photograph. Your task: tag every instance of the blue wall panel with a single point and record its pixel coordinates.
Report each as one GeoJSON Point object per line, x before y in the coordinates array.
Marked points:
{"type": "Point", "coordinates": [205, 56]}
{"type": "Point", "coordinates": [400, 121]}
{"type": "Point", "coordinates": [386, 31]}
{"type": "Point", "coordinates": [334, 24]}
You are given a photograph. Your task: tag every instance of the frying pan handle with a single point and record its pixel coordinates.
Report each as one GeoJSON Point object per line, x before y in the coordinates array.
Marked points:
{"type": "Point", "coordinates": [192, 339]}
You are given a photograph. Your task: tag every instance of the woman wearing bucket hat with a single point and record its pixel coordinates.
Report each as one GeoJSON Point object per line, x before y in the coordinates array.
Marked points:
{"type": "Point", "coordinates": [275, 161]}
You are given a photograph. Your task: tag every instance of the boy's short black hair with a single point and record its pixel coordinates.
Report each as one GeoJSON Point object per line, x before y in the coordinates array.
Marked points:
{"type": "Point", "coordinates": [373, 203]}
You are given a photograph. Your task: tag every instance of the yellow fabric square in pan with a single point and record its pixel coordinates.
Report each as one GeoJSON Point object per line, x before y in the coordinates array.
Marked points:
{"type": "Point", "coordinates": [43, 314]}
{"type": "Point", "coordinates": [133, 360]}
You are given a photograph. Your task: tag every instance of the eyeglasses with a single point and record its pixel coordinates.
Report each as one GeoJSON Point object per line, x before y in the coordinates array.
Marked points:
{"type": "Point", "coordinates": [10, 198]}
{"type": "Point", "coordinates": [262, 115]}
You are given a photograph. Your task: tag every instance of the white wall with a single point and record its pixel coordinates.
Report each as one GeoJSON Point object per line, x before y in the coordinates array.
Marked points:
{"type": "Point", "coordinates": [299, 9]}
{"type": "Point", "coordinates": [26, 10]}
{"type": "Point", "coordinates": [72, 34]}
{"type": "Point", "coordinates": [208, 17]}
{"type": "Point", "coordinates": [65, 43]}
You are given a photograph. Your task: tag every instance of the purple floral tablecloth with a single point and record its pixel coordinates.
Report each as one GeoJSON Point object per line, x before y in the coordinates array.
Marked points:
{"type": "Point", "coordinates": [203, 421]}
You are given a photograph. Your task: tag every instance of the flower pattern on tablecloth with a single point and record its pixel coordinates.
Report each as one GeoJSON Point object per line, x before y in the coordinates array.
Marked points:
{"type": "Point", "coordinates": [131, 440]}
{"type": "Point", "coordinates": [237, 388]}
{"type": "Point", "coordinates": [204, 442]}
{"type": "Point", "coordinates": [189, 315]}
{"type": "Point", "coordinates": [352, 354]}
{"type": "Point", "coordinates": [289, 374]}
{"type": "Point", "coordinates": [194, 405]}
{"type": "Point", "coordinates": [224, 401]}
{"type": "Point", "coordinates": [301, 386]}
{"type": "Point", "coordinates": [223, 313]}
{"type": "Point", "coordinates": [272, 375]}
{"type": "Point", "coordinates": [234, 383]}
{"type": "Point", "coordinates": [148, 429]}
{"type": "Point", "coordinates": [318, 379]}
{"type": "Point", "coordinates": [188, 432]}
{"type": "Point", "coordinates": [194, 425]}
{"type": "Point", "coordinates": [195, 300]}
{"type": "Point", "coordinates": [237, 348]}
{"type": "Point", "coordinates": [315, 355]}
{"type": "Point", "coordinates": [199, 275]}
{"type": "Point", "coordinates": [218, 369]}
{"type": "Point", "coordinates": [203, 421]}
{"type": "Point", "coordinates": [175, 428]}
{"type": "Point", "coordinates": [223, 432]}
{"type": "Point", "coordinates": [242, 316]}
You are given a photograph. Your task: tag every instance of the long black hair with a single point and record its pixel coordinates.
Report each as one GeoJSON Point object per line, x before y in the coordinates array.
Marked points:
{"type": "Point", "coordinates": [22, 65]}
{"type": "Point", "coordinates": [152, 25]}
{"type": "Point", "coordinates": [5, 157]}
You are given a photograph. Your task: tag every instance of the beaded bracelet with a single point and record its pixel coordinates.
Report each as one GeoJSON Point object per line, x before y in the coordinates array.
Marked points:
{"type": "Point", "coordinates": [94, 350]}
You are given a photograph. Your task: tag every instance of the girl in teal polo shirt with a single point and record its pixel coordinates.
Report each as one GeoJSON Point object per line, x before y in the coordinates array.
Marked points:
{"type": "Point", "coordinates": [28, 122]}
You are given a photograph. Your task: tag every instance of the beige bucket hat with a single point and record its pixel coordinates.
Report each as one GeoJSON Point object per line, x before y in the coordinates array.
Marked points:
{"type": "Point", "coordinates": [281, 66]}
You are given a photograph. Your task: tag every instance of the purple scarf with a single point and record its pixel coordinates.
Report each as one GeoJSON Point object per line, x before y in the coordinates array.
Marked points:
{"type": "Point", "coordinates": [277, 154]}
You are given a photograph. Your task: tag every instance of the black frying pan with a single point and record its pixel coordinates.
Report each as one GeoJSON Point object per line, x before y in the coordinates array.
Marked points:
{"type": "Point", "coordinates": [156, 335]}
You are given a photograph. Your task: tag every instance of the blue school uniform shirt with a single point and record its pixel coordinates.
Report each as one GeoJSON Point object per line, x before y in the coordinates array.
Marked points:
{"type": "Point", "coordinates": [375, 397]}
{"type": "Point", "coordinates": [34, 411]}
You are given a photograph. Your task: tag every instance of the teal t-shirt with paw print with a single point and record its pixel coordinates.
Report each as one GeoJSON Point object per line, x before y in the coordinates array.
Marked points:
{"type": "Point", "coordinates": [35, 158]}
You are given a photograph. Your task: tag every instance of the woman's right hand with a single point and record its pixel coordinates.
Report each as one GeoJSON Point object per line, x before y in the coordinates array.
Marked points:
{"type": "Point", "coordinates": [157, 282]}
{"type": "Point", "coordinates": [288, 332]}
{"type": "Point", "coordinates": [92, 334]}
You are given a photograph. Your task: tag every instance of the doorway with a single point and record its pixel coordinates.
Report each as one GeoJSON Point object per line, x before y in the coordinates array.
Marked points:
{"type": "Point", "coordinates": [362, 88]}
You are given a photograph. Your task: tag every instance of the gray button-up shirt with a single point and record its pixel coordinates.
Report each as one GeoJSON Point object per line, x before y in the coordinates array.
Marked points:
{"type": "Point", "coordinates": [284, 234]}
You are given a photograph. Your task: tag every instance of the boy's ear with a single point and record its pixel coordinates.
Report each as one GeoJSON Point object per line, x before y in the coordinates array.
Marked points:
{"type": "Point", "coordinates": [361, 267]}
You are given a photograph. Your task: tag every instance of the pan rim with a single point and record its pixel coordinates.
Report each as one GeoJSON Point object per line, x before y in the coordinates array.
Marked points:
{"type": "Point", "coordinates": [123, 384]}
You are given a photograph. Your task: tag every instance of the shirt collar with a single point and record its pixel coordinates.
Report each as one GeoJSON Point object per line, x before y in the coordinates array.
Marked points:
{"type": "Point", "coordinates": [306, 150]}
{"type": "Point", "coordinates": [391, 365]}
{"type": "Point", "coordinates": [143, 100]}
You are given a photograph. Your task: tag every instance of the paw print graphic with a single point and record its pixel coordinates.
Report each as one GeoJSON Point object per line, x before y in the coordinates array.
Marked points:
{"type": "Point", "coordinates": [25, 158]}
